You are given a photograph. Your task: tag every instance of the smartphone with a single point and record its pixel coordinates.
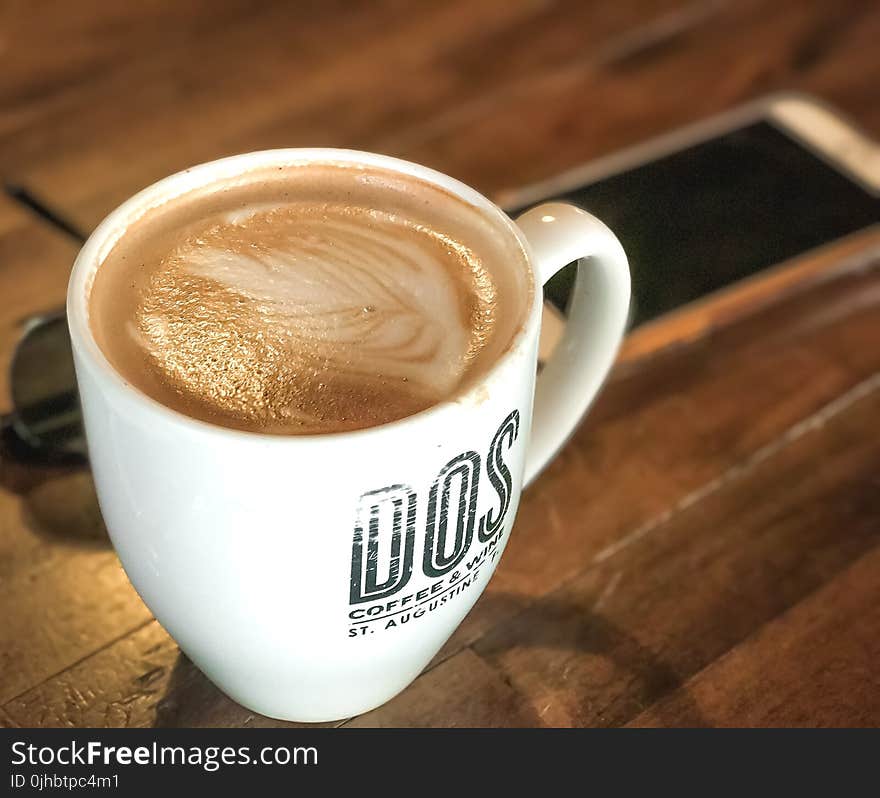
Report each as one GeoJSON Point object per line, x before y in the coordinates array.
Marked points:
{"type": "Point", "coordinates": [719, 202]}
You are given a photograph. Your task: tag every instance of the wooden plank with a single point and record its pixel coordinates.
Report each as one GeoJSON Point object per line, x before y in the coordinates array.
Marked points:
{"type": "Point", "coordinates": [182, 85]}
{"type": "Point", "coordinates": [463, 692]}
{"type": "Point", "coordinates": [665, 428]}
{"type": "Point", "coordinates": [35, 263]}
{"type": "Point", "coordinates": [60, 602]}
{"type": "Point", "coordinates": [665, 602]}
{"type": "Point", "coordinates": [5, 721]}
{"type": "Point", "coordinates": [580, 73]}
{"type": "Point", "coordinates": [52, 540]}
{"type": "Point", "coordinates": [50, 48]}
{"type": "Point", "coordinates": [100, 142]}
{"type": "Point", "coordinates": [139, 681]}
{"type": "Point", "coordinates": [586, 67]}
{"type": "Point", "coordinates": [687, 66]}
{"type": "Point", "coordinates": [816, 665]}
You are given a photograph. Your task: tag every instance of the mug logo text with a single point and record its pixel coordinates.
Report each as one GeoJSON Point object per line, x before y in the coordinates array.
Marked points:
{"type": "Point", "coordinates": [450, 527]}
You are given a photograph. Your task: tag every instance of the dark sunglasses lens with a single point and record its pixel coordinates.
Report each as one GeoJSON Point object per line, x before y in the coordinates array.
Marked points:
{"type": "Point", "coordinates": [46, 413]}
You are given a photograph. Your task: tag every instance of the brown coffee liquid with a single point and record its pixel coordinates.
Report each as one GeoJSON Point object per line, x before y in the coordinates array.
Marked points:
{"type": "Point", "coordinates": [309, 299]}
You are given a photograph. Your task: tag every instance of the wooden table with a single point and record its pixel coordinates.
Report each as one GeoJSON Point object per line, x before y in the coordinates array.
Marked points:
{"type": "Point", "coordinates": [704, 552]}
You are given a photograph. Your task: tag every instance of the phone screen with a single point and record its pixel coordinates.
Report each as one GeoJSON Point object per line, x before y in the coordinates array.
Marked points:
{"type": "Point", "coordinates": [706, 216]}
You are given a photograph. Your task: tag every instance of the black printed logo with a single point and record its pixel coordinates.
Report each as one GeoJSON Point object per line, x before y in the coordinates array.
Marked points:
{"type": "Point", "coordinates": [450, 524]}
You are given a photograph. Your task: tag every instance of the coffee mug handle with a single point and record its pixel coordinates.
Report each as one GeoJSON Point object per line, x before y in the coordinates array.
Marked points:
{"type": "Point", "coordinates": [559, 234]}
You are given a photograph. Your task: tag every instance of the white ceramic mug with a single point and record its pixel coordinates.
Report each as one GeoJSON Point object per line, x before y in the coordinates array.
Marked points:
{"type": "Point", "coordinates": [313, 577]}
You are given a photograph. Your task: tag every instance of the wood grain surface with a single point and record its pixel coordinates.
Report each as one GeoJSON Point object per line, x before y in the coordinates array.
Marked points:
{"type": "Point", "coordinates": [813, 666]}
{"type": "Point", "coordinates": [703, 552]}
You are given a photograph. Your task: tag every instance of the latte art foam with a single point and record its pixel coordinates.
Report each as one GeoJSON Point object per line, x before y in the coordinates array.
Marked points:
{"type": "Point", "coordinates": [296, 315]}
{"type": "Point", "coordinates": [303, 314]}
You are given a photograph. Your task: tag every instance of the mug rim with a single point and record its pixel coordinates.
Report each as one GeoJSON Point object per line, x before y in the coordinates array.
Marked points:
{"type": "Point", "coordinates": [115, 225]}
